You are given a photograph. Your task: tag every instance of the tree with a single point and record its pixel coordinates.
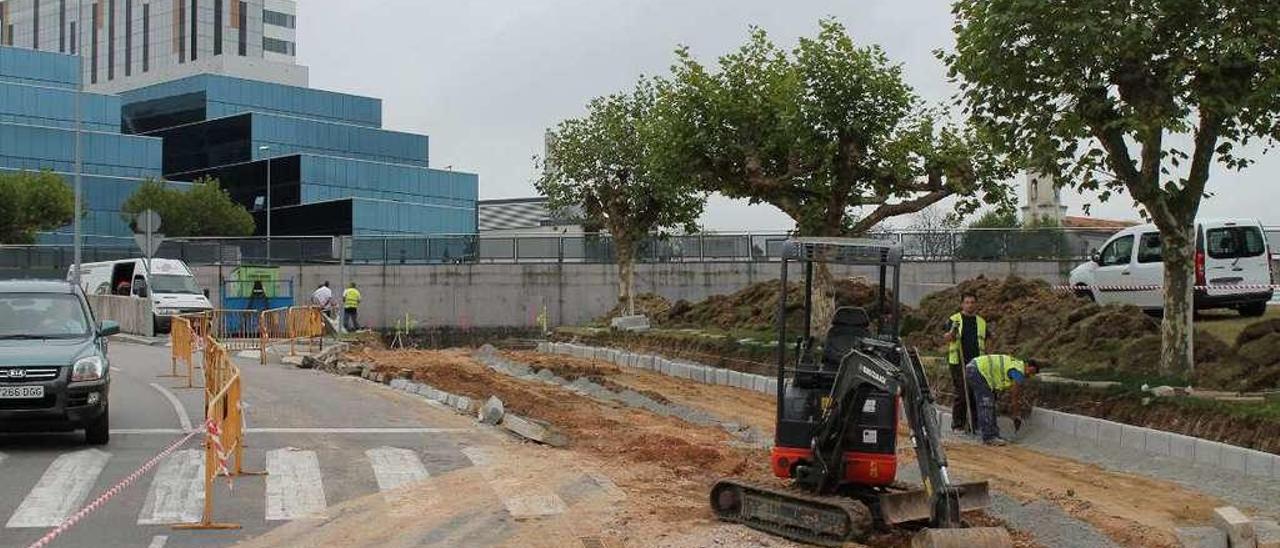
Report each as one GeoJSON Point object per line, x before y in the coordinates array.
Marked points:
{"type": "Point", "coordinates": [31, 203]}
{"type": "Point", "coordinates": [1144, 97]}
{"type": "Point", "coordinates": [604, 164]}
{"type": "Point", "coordinates": [999, 235]}
{"type": "Point", "coordinates": [932, 231]}
{"type": "Point", "coordinates": [829, 133]}
{"type": "Point", "coordinates": [984, 239]}
{"type": "Point", "coordinates": [205, 209]}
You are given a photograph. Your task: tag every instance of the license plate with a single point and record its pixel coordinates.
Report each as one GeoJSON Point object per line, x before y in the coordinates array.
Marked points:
{"type": "Point", "coordinates": [21, 392]}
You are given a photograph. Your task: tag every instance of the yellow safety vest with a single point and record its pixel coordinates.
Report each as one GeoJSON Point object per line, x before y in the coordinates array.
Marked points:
{"type": "Point", "coordinates": [351, 298]}
{"type": "Point", "coordinates": [953, 348]}
{"type": "Point", "coordinates": [996, 367]}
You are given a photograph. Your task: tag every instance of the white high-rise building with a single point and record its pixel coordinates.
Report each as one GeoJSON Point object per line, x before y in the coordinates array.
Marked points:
{"type": "Point", "coordinates": [127, 44]}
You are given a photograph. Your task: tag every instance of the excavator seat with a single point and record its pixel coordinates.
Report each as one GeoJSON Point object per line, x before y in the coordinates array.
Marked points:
{"type": "Point", "coordinates": [849, 324]}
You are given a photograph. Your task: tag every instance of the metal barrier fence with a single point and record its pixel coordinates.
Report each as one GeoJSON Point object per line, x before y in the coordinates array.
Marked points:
{"type": "Point", "coordinates": [183, 345]}
{"type": "Point", "coordinates": [238, 330]}
{"type": "Point", "coordinates": [295, 324]}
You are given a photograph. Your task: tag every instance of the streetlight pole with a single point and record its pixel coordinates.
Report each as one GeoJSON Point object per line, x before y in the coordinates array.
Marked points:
{"type": "Point", "coordinates": [264, 149]}
{"type": "Point", "coordinates": [76, 238]}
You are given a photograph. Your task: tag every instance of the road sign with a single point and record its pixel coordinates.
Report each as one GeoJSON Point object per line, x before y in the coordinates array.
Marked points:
{"type": "Point", "coordinates": [147, 223]}
{"type": "Point", "coordinates": [150, 243]}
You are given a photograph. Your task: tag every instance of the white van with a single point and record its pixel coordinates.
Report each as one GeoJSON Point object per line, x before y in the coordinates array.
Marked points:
{"type": "Point", "coordinates": [1232, 261]}
{"type": "Point", "coordinates": [167, 282]}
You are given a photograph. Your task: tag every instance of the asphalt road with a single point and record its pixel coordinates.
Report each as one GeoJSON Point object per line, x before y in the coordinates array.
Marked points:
{"type": "Point", "coordinates": [323, 439]}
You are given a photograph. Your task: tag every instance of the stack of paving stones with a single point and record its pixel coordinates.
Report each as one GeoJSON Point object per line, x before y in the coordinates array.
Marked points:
{"type": "Point", "coordinates": [1099, 431]}
{"type": "Point", "coordinates": [1231, 529]}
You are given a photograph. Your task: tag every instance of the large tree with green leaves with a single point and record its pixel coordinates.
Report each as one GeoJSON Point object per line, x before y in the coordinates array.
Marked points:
{"type": "Point", "coordinates": [829, 132]}
{"type": "Point", "coordinates": [1115, 95]}
{"type": "Point", "coordinates": [204, 209]}
{"type": "Point", "coordinates": [33, 202]}
{"type": "Point", "coordinates": [604, 165]}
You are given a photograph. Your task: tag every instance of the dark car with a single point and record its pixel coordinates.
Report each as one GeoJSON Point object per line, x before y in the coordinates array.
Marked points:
{"type": "Point", "coordinates": [54, 374]}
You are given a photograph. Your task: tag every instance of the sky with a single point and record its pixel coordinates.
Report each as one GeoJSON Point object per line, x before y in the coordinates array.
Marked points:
{"type": "Point", "coordinates": [486, 78]}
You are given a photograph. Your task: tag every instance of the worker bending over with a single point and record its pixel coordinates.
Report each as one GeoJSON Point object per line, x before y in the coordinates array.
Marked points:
{"type": "Point", "coordinates": [992, 373]}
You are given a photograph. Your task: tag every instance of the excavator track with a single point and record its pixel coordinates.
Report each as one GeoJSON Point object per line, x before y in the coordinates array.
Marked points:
{"type": "Point", "coordinates": [791, 513]}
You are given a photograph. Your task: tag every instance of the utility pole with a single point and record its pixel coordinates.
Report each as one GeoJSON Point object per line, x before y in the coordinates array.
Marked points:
{"type": "Point", "coordinates": [76, 242]}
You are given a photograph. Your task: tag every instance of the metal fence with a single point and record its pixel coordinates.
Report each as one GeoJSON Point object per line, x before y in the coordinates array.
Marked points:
{"type": "Point", "coordinates": [984, 244]}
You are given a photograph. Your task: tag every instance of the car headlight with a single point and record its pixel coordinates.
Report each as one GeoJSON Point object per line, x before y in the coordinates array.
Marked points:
{"type": "Point", "coordinates": [89, 368]}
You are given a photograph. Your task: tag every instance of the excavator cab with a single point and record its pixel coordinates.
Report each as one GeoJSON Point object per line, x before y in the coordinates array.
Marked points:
{"type": "Point", "coordinates": [840, 404]}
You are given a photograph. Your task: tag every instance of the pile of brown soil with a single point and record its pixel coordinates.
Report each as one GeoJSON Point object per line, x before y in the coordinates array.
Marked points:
{"type": "Point", "coordinates": [1257, 358]}
{"type": "Point", "coordinates": [647, 304]}
{"type": "Point", "coordinates": [1019, 311]}
{"type": "Point", "coordinates": [756, 306]}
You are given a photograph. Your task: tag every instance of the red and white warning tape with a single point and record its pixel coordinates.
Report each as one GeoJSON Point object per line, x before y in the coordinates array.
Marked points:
{"type": "Point", "coordinates": [112, 492]}
{"type": "Point", "coordinates": [215, 438]}
{"type": "Point", "coordinates": [1157, 287]}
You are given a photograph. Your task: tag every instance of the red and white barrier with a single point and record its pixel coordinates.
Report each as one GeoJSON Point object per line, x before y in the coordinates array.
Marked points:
{"type": "Point", "coordinates": [109, 493]}
{"type": "Point", "coordinates": [1150, 287]}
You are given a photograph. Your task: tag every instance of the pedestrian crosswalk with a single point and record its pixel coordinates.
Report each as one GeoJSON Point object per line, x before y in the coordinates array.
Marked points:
{"type": "Point", "coordinates": [295, 486]}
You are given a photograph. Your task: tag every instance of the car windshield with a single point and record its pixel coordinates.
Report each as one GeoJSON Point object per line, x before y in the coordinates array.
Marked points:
{"type": "Point", "coordinates": [169, 283]}
{"type": "Point", "coordinates": [42, 316]}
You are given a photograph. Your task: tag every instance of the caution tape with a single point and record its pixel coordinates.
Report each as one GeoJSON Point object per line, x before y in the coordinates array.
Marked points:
{"type": "Point", "coordinates": [110, 493]}
{"type": "Point", "coordinates": [215, 439]}
{"type": "Point", "coordinates": [1157, 287]}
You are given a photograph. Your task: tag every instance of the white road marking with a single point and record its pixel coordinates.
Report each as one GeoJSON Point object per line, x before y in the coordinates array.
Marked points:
{"type": "Point", "coordinates": [359, 431]}
{"type": "Point", "coordinates": [395, 468]}
{"type": "Point", "coordinates": [177, 492]}
{"type": "Point", "coordinates": [183, 419]}
{"type": "Point", "coordinates": [535, 505]}
{"type": "Point", "coordinates": [158, 541]}
{"type": "Point", "coordinates": [61, 490]}
{"type": "Point", "coordinates": [115, 369]}
{"type": "Point", "coordinates": [522, 501]}
{"type": "Point", "coordinates": [294, 488]}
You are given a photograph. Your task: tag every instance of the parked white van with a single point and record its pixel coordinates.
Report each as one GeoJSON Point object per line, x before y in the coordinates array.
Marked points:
{"type": "Point", "coordinates": [167, 282]}
{"type": "Point", "coordinates": [1233, 268]}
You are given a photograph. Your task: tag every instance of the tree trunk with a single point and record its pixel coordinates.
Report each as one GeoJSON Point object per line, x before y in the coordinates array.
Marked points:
{"type": "Point", "coordinates": [1177, 351]}
{"type": "Point", "coordinates": [626, 276]}
{"type": "Point", "coordinates": [824, 300]}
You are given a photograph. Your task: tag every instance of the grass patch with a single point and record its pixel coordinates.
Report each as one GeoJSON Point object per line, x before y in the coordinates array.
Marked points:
{"type": "Point", "coordinates": [1227, 324]}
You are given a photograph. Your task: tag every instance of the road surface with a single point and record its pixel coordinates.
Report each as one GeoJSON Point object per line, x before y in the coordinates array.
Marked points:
{"type": "Point", "coordinates": [323, 439]}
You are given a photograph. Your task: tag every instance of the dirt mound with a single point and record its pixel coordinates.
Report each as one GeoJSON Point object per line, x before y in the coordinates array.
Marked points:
{"type": "Point", "coordinates": [1019, 310]}
{"type": "Point", "coordinates": [756, 306]}
{"type": "Point", "coordinates": [1257, 354]}
{"type": "Point", "coordinates": [647, 304]}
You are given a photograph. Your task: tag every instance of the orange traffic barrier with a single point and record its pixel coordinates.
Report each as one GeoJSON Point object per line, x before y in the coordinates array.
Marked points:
{"type": "Point", "coordinates": [183, 344]}
{"type": "Point", "coordinates": [294, 324]}
{"type": "Point", "coordinates": [224, 429]}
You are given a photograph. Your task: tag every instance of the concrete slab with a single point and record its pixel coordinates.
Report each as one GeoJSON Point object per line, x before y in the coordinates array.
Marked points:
{"type": "Point", "coordinates": [1237, 526]}
{"type": "Point", "coordinates": [1042, 418]}
{"type": "Point", "coordinates": [1183, 447]}
{"type": "Point", "coordinates": [1257, 463]}
{"type": "Point", "coordinates": [534, 430]}
{"type": "Point", "coordinates": [759, 383]}
{"type": "Point", "coordinates": [542, 347]}
{"type": "Point", "coordinates": [721, 377]}
{"type": "Point", "coordinates": [1275, 467]}
{"type": "Point", "coordinates": [699, 374]}
{"type": "Point", "coordinates": [1087, 429]}
{"type": "Point", "coordinates": [1158, 443]}
{"type": "Point", "coordinates": [772, 386]}
{"type": "Point", "coordinates": [1133, 437]}
{"type": "Point", "coordinates": [735, 379]}
{"type": "Point", "coordinates": [1201, 537]}
{"type": "Point", "coordinates": [1208, 452]}
{"type": "Point", "coordinates": [1268, 533]}
{"type": "Point", "coordinates": [1066, 423]}
{"type": "Point", "coordinates": [1233, 458]}
{"type": "Point", "coordinates": [1108, 433]}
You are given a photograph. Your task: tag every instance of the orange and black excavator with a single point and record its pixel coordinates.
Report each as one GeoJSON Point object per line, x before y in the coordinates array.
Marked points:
{"type": "Point", "coordinates": [838, 409]}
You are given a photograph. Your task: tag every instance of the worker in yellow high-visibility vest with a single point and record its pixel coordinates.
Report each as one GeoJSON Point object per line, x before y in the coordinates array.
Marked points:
{"type": "Point", "coordinates": [992, 373]}
{"type": "Point", "coordinates": [966, 338]}
{"type": "Point", "coordinates": [351, 308]}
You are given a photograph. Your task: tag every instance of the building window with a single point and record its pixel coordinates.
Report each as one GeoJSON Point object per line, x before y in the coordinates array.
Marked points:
{"type": "Point", "coordinates": [146, 37]}
{"type": "Point", "coordinates": [128, 37]}
{"type": "Point", "coordinates": [283, 47]}
{"type": "Point", "coordinates": [62, 26]}
{"type": "Point", "coordinates": [111, 39]}
{"type": "Point", "coordinates": [93, 41]}
{"type": "Point", "coordinates": [217, 27]}
{"type": "Point", "coordinates": [278, 19]}
{"type": "Point", "coordinates": [195, 30]}
{"type": "Point", "coordinates": [243, 24]}
{"type": "Point", "coordinates": [35, 25]}
{"type": "Point", "coordinates": [179, 22]}
{"type": "Point", "coordinates": [74, 45]}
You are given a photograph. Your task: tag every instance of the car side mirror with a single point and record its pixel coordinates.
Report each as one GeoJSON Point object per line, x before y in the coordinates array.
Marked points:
{"type": "Point", "coordinates": [107, 328]}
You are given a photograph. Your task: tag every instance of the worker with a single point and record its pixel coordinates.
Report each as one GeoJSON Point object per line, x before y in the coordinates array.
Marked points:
{"type": "Point", "coordinates": [966, 338]}
{"type": "Point", "coordinates": [323, 297]}
{"type": "Point", "coordinates": [990, 374]}
{"type": "Point", "coordinates": [350, 308]}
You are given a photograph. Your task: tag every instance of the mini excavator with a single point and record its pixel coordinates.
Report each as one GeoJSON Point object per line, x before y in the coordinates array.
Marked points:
{"type": "Point", "coordinates": [838, 410]}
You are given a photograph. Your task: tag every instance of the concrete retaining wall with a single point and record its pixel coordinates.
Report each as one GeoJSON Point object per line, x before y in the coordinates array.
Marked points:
{"type": "Point", "coordinates": [1086, 429]}
{"type": "Point", "coordinates": [477, 295]}
{"type": "Point", "coordinates": [133, 314]}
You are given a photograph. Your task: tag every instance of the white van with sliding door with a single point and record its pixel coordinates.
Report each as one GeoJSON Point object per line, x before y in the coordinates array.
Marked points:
{"type": "Point", "coordinates": [169, 284]}
{"type": "Point", "coordinates": [1232, 263]}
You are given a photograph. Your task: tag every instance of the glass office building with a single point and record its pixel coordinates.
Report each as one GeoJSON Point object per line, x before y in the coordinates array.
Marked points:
{"type": "Point", "coordinates": [38, 94]}
{"type": "Point", "coordinates": [333, 169]}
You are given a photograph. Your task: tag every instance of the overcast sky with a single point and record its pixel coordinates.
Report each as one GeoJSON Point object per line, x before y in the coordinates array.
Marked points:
{"type": "Point", "coordinates": [485, 78]}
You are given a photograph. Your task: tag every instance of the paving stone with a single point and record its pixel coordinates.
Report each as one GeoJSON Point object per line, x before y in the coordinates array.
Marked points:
{"type": "Point", "coordinates": [1201, 537]}
{"type": "Point", "coordinates": [1268, 533]}
{"type": "Point", "coordinates": [1158, 443]}
{"type": "Point", "coordinates": [1183, 447]}
{"type": "Point", "coordinates": [538, 431]}
{"type": "Point", "coordinates": [1208, 452]}
{"type": "Point", "coordinates": [1257, 463]}
{"type": "Point", "coordinates": [1236, 525]}
{"type": "Point", "coordinates": [1133, 437]}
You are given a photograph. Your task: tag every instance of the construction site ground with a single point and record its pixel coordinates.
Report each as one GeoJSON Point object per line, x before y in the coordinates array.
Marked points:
{"type": "Point", "coordinates": [648, 473]}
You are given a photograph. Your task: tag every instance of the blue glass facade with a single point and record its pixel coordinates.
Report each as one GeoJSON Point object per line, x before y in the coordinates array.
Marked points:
{"type": "Point", "coordinates": [333, 170]}
{"type": "Point", "coordinates": [37, 132]}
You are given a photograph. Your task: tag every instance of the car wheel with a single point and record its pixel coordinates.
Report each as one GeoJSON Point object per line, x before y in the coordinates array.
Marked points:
{"type": "Point", "coordinates": [1083, 292]}
{"type": "Point", "coordinates": [98, 432]}
{"type": "Point", "coordinates": [1253, 310]}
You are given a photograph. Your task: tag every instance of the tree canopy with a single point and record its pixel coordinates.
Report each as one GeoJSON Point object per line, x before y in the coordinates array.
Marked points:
{"type": "Point", "coordinates": [605, 164]}
{"type": "Point", "coordinates": [1145, 97]}
{"type": "Point", "coordinates": [830, 133]}
{"type": "Point", "coordinates": [205, 209]}
{"type": "Point", "coordinates": [33, 202]}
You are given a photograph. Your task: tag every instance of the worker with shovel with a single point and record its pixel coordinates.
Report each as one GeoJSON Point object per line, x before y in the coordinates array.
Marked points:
{"type": "Point", "coordinates": [988, 375]}
{"type": "Point", "coordinates": [966, 339]}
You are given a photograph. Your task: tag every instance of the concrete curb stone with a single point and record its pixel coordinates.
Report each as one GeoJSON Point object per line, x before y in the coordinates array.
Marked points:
{"type": "Point", "coordinates": [1087, 428]}
{"type": "Point", "coordinates": [1232, 458]}
{"type": "Point", "coordinates": [1159, 443]}
{"type": "Point", "coordinates": [1208, 452]}
{"type": "Point", "coordinates": [1236, 525]}
{"type": "Point", "coordinates": [1183, 447]}
{"type": "Point", "coordinates": [1108, 433]}
{"type": "Point", "coordinates": [1133, 437]}
{"type": "Point", "coordinates": [1258, 464]}
{"type": "Point", "coordinates": [1201, 537]}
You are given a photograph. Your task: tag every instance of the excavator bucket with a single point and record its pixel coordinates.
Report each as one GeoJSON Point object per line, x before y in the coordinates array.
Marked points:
{"type": "Point", "coordinates": [974, 537]}
{"type": "Point", "coordinates": [908, 506]}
